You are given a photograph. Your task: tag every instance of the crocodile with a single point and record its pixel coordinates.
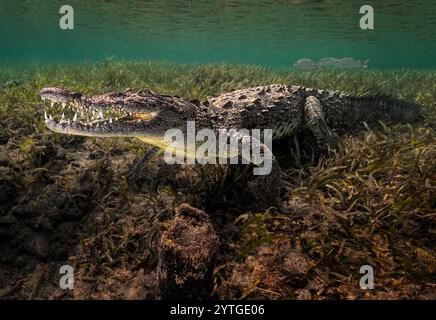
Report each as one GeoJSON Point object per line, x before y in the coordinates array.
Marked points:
{"type": "Point", "coordinates": [283, 108]}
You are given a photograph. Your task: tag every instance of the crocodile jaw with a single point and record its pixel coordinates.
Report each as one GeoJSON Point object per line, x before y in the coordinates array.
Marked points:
{"type": "Point", "coordinates": [71, 113]}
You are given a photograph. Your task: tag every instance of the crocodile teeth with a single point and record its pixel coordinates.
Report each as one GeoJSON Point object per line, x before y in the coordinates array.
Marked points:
{"type": "Point", "coordinates": [50, 117]}
{"type": "Point", "coordinates": [51, 104]}
{"type": "Point", "coordinates": [100, 113]}
{"type": "Point", "coordinates": [63, 116]}
{"type": "Point", "coordinates": [63, 105]}
{"type": "Point", "coordinates": [110, 120]}
{"type": "Point", "coordinates": [75, 117]}
{"type": "Point", "coordinates": [45, 115]}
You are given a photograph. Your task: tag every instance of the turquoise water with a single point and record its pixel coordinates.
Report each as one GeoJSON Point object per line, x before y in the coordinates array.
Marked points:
{"type": "Point", "coordinates": [272, 33]}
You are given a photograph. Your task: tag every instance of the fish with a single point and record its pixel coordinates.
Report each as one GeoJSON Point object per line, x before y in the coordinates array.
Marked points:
{"type": "Point", "coordinates": [332, 62]}
{"type": "Point", "coordinates": [306, 64]}
{"type": "Point", "coordinates": [351, 63]}
{"type": "Point", "coordinates": [328, 62]}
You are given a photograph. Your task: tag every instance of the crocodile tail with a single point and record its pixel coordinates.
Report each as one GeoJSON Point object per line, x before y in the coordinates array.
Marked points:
{"type": "Point", "coordinates": [348, 111]}
{"type": "Point", "coordinates": [390, 109]}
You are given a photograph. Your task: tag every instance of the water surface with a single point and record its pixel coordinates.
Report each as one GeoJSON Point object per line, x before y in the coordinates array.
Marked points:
{"type": "Point", "coordinates": [273, 33]}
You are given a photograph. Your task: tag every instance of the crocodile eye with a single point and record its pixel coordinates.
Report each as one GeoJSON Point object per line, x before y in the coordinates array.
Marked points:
{"type": "Point", "coordinates": [144, 116]}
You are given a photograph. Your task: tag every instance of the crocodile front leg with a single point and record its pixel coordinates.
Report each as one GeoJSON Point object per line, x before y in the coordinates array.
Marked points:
{"type": "Point", "coordinates": [264, 186]}
{"type": "Point", "coordinates": [315, 120]}
{"type": "Point", "coordinates": [265, 189]}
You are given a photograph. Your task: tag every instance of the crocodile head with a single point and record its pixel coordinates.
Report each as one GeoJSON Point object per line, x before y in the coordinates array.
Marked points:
{"type": "Point", "coordinates": [130, 113]}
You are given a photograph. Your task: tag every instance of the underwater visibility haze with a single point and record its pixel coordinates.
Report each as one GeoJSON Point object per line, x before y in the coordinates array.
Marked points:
{"type": "Point", "coordinates": [272, 33]}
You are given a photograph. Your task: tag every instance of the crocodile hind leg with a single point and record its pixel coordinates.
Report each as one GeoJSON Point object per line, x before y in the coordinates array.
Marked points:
{"type": "Point", "coordinates": [315, 120]}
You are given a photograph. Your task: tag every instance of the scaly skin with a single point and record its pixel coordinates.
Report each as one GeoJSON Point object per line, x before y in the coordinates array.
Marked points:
{"type": "Point", "coordinates": [285, 109]}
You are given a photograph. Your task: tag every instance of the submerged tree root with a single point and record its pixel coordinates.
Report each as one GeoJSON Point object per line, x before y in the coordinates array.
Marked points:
{"type": "Point", "coordinates": [187, 255]}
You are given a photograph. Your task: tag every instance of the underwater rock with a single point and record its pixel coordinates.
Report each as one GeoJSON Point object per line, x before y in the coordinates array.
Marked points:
{"type": "Point", "coordinates": [187, 256]}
